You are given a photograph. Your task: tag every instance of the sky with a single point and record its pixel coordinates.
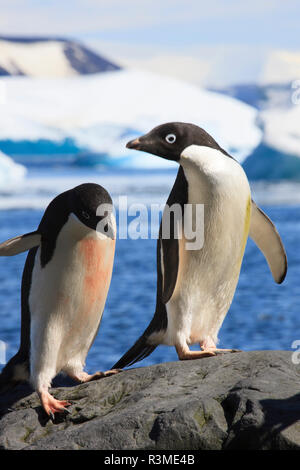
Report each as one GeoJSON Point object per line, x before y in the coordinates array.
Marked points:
{"type": "Point", "coordinates": [192, 39]}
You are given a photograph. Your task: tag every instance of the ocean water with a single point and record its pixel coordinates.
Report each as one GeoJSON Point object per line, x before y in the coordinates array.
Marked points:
{"type": "Point", "coordinates": [263, 314]}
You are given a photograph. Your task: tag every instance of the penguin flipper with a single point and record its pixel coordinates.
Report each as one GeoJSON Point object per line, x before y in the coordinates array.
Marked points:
{"type": "Point", "coordinates": [168, 256]}
{"type": "Point", "coordinates": [19, 244]}
{"type": "Point", "coordinates": [265, 235]}
{"type": "Point", "coordinates": [169, 267]}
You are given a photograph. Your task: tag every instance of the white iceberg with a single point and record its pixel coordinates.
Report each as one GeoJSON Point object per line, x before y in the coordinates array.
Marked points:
{"type": "Point", "coordinates": [100, 112]}
{"type": "Point", "coordinates": [282, 129]}
{"type": "Point", "coordinates": [11, 173]}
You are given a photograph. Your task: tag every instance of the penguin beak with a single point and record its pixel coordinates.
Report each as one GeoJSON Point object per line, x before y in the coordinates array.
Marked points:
{"type": "Point", "coordinates": [134, 144]}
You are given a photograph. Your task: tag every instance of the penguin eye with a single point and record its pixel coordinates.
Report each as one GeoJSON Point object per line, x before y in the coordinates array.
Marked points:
{"type": "Point", "coordinates": [170, 138]}
{"type": "Point", "coordinates": [85, 215]}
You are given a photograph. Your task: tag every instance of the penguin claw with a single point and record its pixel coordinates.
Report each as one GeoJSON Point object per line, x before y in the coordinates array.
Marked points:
{"type": "Point", "coordinates": [51, 405]}
{"type": "Point", "coordinates": [51, 412]}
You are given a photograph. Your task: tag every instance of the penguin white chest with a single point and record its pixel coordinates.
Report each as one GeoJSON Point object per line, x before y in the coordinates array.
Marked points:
{"type": "Point", "coordinates": [207, 277]}
{"type": "Point", "coordinates": [68, 295]}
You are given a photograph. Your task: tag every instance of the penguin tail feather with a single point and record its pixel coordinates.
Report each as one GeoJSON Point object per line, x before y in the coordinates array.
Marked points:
{"type": "Point", "coordinates": [136, 353]}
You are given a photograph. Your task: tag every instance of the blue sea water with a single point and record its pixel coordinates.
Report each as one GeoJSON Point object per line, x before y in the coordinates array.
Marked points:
{"type": "Point", "coordinates": [263, 314]}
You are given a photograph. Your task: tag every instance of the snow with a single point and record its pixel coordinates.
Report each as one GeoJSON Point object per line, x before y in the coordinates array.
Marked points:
{"type": "Point", "coordinates": [28, 58]}
{"type": "Point", "coordinates": [10, 173]}
{"type": "Point", "coordinates": [103, 111]}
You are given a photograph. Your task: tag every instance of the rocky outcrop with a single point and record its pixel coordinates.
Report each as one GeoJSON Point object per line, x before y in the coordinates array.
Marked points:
{"type": "Point", "coordinates": [247, 400]}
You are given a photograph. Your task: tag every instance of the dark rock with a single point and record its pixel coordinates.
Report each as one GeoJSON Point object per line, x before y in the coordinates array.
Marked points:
{"type": "Point", "coordinates": [247, 400]}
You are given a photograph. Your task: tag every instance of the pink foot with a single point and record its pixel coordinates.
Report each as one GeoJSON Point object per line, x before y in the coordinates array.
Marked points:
{"type": "Point", "coordinates": [83, 377]}
{"type": "Point", "coordinates": [101, 375]}
{"type": "Point", "coordinates": [51, 405]}
{"type": "Point", "coordinates": [209, 345]}
{"type": "Point", "coordinates": [185, 354]}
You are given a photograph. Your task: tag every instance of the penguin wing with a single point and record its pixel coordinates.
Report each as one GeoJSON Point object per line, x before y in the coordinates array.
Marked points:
{"type": "Point", "coordinates": [17, 245]}
{"type": "Point", "coordinates": [264, 233]}
{"type": "Point", "coordinates": [167, 269]}
{"type": "Point", "coordinates": [169, 260]}
{"type": "Point", "coordinates": [169, 255]}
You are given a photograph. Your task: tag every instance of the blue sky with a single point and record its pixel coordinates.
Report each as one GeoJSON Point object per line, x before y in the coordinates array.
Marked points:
{"type": "Point", "coordinates": [168, 22]}
{"type": "Point", "coordinates": [141, 31]}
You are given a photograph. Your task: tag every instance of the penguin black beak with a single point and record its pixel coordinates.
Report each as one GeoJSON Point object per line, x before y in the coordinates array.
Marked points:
{"type": "Point", "coordinates": [134, 144]}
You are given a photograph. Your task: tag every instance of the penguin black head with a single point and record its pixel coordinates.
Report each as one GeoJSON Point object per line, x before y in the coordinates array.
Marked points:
{"type": "Point", "coordinates": [169, 140]}
{"type": "Point", "coordinates": [79, 205]}
{"type": "Point", "coordinates": [84, 201]}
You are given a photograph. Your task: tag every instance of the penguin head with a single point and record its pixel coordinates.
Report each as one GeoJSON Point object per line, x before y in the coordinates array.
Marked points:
{"type": "Point", "coordinates": [92, 204]}
{"type": "Point", "coordinates": [169, 140]}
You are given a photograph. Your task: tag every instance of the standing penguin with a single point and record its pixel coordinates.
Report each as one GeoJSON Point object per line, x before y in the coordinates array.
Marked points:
{"type": "Point", "coordinates": [64, 287]}
{"type": "Point", "coordinates": [195, 287]}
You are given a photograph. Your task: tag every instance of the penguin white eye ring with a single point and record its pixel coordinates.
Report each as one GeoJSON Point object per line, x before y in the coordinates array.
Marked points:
{"type": "Point", "coordinates": [170, 138]}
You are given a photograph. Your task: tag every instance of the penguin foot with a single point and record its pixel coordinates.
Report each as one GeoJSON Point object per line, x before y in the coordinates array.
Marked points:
{"type": "Point", "coordinates": [101, 375]}
{"type": "Point", "coordinates": [51, 405]}
{"type": "Point", "coordinates": [83, 377]}
{"type": "Point", "coordinates": [209, 345]}
{"type": "Point", "coordinates": [185, 354]}
{"type": "Point", "coordinates": [218, 351]}
{"type": "Point", "coordinates": [225, 351]}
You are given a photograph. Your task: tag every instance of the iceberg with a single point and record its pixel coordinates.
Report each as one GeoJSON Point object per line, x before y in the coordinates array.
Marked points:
{"type": "Point", "coordinates": [97, 114]}
{"type": "Point", "coordinates": [278, 155]}
{"type": "Point", "coordinates": [11, 173]}
{"type": "Point", "coordinates": [281, 129]}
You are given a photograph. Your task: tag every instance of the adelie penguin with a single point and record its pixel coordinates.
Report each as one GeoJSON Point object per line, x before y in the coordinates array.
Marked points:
{"type": "Point", "coordinates": [64, 287]}
{"type": "Point", "coordinates": [195, 287]}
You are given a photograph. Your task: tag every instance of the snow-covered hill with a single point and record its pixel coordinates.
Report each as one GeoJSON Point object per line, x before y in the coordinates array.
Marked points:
{"type": "Point", "coordinates": [47, 57]}
{"type": "Point", "coordinates": [99, 113]}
